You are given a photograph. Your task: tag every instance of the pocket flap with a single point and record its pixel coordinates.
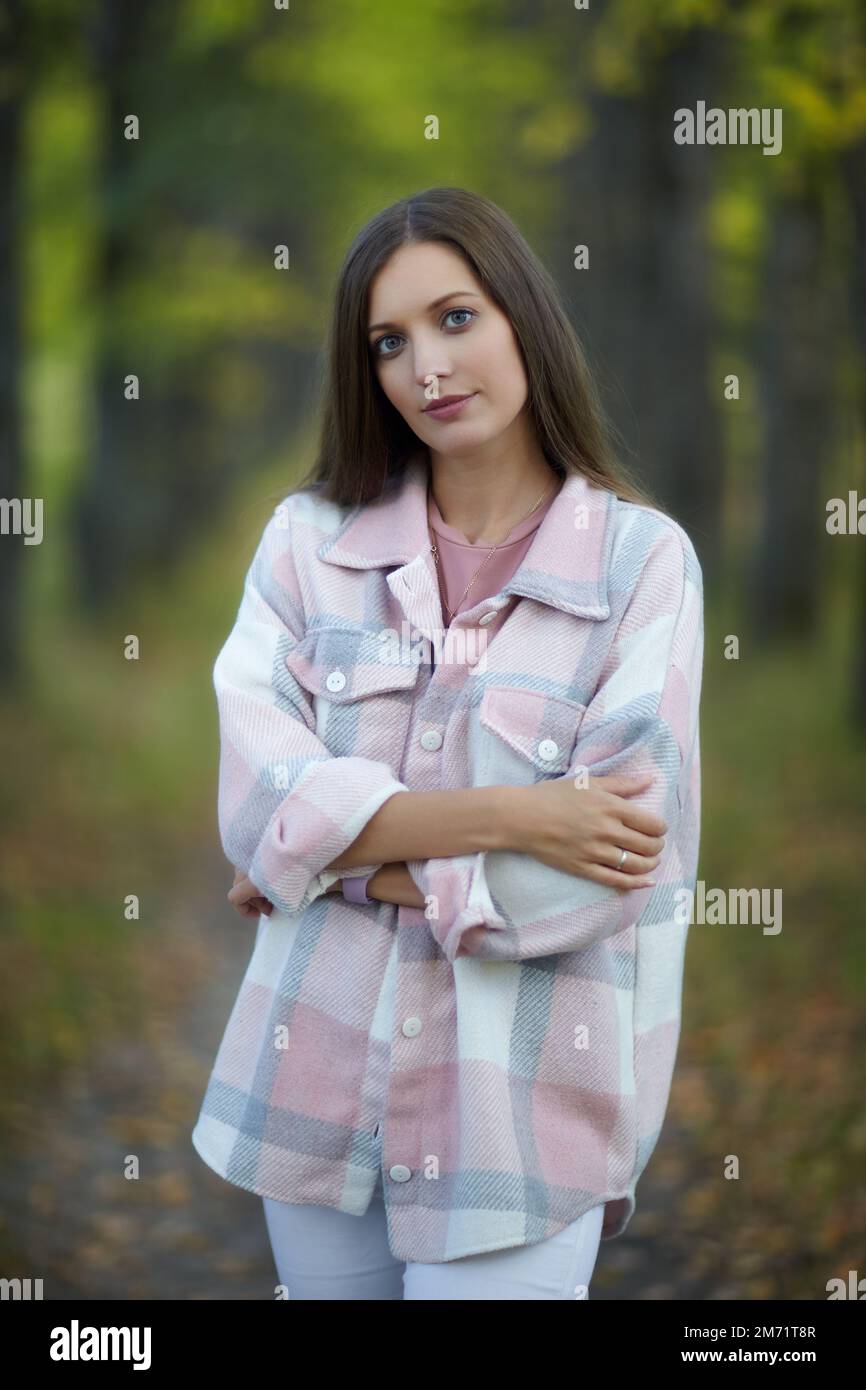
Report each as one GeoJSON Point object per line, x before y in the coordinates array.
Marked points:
{"type": "Point", "coordinates": [541, 728]}
{"type": "Point", "coordinates": [343, 664]}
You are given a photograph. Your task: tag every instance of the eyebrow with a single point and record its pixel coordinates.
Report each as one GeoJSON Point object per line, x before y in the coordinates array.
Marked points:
{"type": "Point", "coordinates": [436, 302]}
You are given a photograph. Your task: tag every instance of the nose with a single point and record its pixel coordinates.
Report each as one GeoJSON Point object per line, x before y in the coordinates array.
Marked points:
{"type": "Point", "coordinates": [433, 388]}
{"type": "Point", "coordinates": [430, 359]}
{"type": "Point", "coordinates": [424, 373]}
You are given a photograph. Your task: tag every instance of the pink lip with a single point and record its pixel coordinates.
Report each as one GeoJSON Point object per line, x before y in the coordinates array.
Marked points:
{"type": "Point", "coordinates": [449, 409]}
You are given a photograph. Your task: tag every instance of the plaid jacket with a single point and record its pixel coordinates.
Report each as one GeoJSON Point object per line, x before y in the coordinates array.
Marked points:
{"type": "Point", "coordinates": [504, 1055]}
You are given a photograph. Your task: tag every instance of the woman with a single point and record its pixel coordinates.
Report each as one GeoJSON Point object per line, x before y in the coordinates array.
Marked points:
{"type": "Point", "coordinates": [460, 781]}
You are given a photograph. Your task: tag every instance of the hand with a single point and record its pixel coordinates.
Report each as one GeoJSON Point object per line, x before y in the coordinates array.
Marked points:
{"type": "Point", "coordinates": [583, 830]}
{"type": "Point", "coordinates": [245, 896]}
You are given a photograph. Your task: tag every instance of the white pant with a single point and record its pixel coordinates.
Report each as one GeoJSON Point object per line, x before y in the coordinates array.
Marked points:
{"type": "Point", "coordinates": [321, 1253]}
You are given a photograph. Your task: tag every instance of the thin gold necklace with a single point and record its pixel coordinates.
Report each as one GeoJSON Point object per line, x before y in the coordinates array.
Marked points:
{"type": "Point", "coordinates": [435, 551]}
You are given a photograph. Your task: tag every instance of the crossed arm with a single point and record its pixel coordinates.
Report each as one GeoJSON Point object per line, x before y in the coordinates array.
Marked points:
{"type": "Point", "coordinates": [414, 824]}
{"type": "Point", "coordinates": [293, 817]}
{"type": "Point", "coordinates": [391, 884]}
{"type": "Point", "coordinates": [591, 832]}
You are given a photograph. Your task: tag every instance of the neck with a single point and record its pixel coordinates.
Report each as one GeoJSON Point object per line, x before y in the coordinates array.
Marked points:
{"type": "Point", "coordinates": [483, 499]}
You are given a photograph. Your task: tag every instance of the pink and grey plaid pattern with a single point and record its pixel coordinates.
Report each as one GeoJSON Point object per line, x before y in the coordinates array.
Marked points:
{"type": "Point", "coordinates": [505, 1054]}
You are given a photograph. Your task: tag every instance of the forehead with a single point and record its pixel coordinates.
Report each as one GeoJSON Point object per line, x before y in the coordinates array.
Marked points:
{"type": "Point", "coordinates": [417, 274]}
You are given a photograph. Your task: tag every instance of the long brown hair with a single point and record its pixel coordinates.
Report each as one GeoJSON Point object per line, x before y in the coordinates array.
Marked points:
{"type": "Point", "coordinates": [365, 443]}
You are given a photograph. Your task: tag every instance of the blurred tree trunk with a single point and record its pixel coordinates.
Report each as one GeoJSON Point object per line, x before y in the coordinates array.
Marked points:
{"type": "Point", "coordinates": [110, 507]}
{"type": "Point", "coordinates": [639, 202]}
{"type": "Point", "coordinates": [160, 464]}
{"type": "Point", "coordinates": [148, 485]}
{"type": "Point", "coordinates": [797, 365]}
{"type": "Point", "coordinates": [11, 462]}
{"type": "Point", "coordinates": [854, 174]}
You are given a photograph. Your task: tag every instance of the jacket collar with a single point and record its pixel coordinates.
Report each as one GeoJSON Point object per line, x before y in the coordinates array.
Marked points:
{"type": "Point", "coordinates": [567, 564]}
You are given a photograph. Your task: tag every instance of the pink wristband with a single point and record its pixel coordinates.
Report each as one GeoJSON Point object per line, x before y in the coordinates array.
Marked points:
{"type": "Point", "coordinates": [355, 889]}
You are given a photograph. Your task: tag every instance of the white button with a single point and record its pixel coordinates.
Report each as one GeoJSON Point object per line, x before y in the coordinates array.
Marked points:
{"type": "Point", "coordinates": [412, 1027]}
{"type": "Point", "coordinates": [547, 749]}
{"type": "Point", "coordinates": [431, 739]}
{"type": "Point", "coordinates": [400, 1173]}
{"type": "Point", "coordinates": [486, 618]}
{"type": "Point", "coordinates": [336, 680]}
{"type": "Point", "coordinates": [471, 659]}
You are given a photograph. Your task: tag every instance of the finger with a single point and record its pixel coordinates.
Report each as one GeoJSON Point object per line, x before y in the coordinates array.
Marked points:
{"type": "Point", "coordinates": [239, 901]}
{"type": "Point", "coordinates": [646, 822]}
{"type": "Point", "coordinates": [637, 817]}
{"type": "Point", "coordinates": [639, 846]}
{"type": "Point", "coordinates": [609, 856]}
{"type": "Point", "coordinates": [619, 785]}
{"type": "Point", "coordinates": [612, 879]}
{"type": "Point", "coordinates": [242, 890]}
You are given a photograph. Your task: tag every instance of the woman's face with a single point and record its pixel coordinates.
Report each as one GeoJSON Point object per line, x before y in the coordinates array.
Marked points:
{"type": "Point", "coordinates": [428, 315]}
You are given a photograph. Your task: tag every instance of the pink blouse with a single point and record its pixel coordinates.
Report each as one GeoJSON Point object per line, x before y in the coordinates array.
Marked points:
{"type": "Point", "coordinates": [459, 558]}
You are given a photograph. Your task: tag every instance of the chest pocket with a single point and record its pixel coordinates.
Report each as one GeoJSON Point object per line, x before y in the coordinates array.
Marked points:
{"type": "Point", "coordinates": [534, 733]}
{"type": "Point", "coordinates": [358, 689]}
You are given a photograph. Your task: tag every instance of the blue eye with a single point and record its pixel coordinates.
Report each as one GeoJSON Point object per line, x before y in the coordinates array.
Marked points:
{"type": "Point", "coordinates": [471, 312]}
{"type": "Point", "coordinates": [377, 345]}
{"type": "Point", "coordinates": [383, 340]}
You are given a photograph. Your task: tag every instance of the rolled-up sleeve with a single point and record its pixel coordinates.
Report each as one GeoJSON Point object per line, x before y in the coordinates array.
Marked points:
{"type": "Point", "coordinates": [643, 719]}
{"type": "Point", "coordinates": [286, 806]}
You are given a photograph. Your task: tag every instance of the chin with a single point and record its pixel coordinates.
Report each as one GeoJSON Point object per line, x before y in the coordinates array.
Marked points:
{"type": "Point", "coordinates": [463, 439]}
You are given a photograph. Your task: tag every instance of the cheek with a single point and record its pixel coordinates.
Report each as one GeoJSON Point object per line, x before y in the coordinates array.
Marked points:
{"type": "Point", "coordinates": [395, 374]}
{"type": "Point", "coordinates": [500, 351]}
{"type": "Point", "coordinates": [503, 370]}
{"type": "Point", "coordinates": [392, 386]}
